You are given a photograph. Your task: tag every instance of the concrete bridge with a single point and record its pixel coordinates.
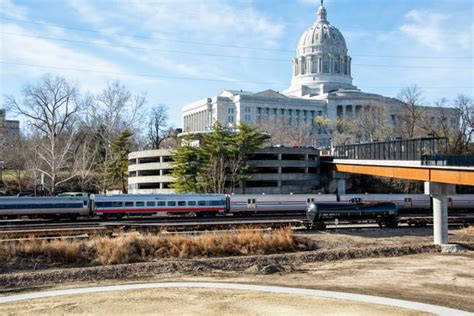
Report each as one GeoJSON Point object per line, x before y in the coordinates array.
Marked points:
{"type": "Point", "coordinates": [423, 159]}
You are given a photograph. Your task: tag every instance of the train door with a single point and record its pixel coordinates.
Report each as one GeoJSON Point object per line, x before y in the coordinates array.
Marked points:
{"type": "Point", "coordinates": [227, 204]}
{"type": "Point", "coordinates": [251, 204]}
{"type": "Point", "coordinates": [408, 203]}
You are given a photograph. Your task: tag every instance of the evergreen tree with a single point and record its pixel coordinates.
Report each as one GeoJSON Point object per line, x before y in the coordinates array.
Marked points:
{"type": "Point", "coordinates": [218, 163]}
{"type": "Point", "coordinates": [245, 141]}
{"type": "Point", "coordinates": [186, 166]}
{"type": "Point", "coordinates": [215, 150]}
{"type": "Point", "coordinates": [118, 166]}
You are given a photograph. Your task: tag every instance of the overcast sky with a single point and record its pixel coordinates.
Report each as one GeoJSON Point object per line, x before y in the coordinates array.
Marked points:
{"type": "Point", "coordinates": [180, 51]}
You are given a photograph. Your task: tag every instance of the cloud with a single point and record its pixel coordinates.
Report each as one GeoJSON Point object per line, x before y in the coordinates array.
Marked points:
{"type": "Point", "coordinates": [8, 8]}
{"type": "Point", "coordinates": [428, 28]}
{"type": "Point", "coordinates": [207, 20]}
{"type": "Point", "coordinates": [41, 53]}
{"type": "Point", "coordinates": [87, 12]}
{"type": "Point", "coordinates": [178, 25]}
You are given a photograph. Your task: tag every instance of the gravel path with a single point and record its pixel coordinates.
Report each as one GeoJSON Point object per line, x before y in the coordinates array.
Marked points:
{"type": "Point", "coordinates": [366, 299]}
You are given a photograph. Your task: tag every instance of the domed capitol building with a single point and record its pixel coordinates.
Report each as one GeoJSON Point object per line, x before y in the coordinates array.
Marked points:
{"type": "Point", "coordinates": [321, 85]}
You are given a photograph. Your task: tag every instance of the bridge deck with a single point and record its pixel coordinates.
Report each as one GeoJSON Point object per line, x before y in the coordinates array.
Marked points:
{"type": "Point", "coordinates": [410, 170]}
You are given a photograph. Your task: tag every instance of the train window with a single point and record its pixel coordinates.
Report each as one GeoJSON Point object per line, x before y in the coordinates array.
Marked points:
{"type": "Point", "coordinates": [216, 203]}
{"type": "Point", "coordinates": [192, 203]}
{"type": "Point", "coordinates": [70, 205]}
{"type": "Point", "coordinates": [181, 203]}
{"type": "Point", "coordinates": [117, 204]}
{"type": "Point", "coordinates": [160, 203]}
{"type": "Point", "coordinates": [202, 203]}
{"type": "Point", "coordinates": [408, 200]}
{"type": "Point", "coordinates": [128, 204]}
{"type": "Point", "coordinates": [140, 204]}
{"type": "Point", "coordinates": [171, 203]}
{"type": "Point", "coordinates": [150, 203]}
{"type": "Point", "coordinates": [103, 204]}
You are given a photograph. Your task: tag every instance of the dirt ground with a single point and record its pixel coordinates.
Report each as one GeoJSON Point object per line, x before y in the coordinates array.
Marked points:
{"type": "Point", "coordinates": [196, 302]}
{"type": "Point", "coordinates": [433, 278]}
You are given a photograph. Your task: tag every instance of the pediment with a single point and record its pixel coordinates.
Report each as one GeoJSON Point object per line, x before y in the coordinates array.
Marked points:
{"type": "Point", "coordinates": [270, 93]}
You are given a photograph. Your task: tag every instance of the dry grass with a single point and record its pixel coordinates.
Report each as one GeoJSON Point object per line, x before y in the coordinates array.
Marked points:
{"type": "Point", "coordinates": [141, 248]}
{"type": "Point", "coordinates": [467, 231]}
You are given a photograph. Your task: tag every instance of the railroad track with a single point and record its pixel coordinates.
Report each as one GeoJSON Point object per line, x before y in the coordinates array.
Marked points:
{"type": "Point", "coordinates": [37, 230]}
{"type": "Point", "coordinates": [44, 229]}
{"type": "Point", "coordinates": [145, 219]}
{"type": "Point", "coordinates": [52, 229]}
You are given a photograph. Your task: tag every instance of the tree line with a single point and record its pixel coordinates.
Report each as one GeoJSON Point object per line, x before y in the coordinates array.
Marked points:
{"type": "Point", "coordinates": [414, 119]}
{"type": "Point", "coordinates": [78, 142]}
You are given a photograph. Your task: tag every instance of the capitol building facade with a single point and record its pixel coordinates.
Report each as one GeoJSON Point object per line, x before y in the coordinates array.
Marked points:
{"type": "Point", "coordinates": [321, 85]}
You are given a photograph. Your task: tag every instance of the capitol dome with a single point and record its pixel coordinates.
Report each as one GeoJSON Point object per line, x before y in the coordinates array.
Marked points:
{"type": "Point", "coordinates": [321, 63]}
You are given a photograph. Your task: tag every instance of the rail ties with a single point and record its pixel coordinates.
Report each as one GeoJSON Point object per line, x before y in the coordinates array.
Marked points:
{"type": "Point", "coordinates": [36, 231]}
{"type": "Point", "coordinates": [152, 226]}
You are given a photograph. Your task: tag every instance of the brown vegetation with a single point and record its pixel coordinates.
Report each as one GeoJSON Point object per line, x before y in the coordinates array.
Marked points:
{"type": "Point", "coordinates": [467, 231]}
{"type": "Point", "coordinates": [141, 248]}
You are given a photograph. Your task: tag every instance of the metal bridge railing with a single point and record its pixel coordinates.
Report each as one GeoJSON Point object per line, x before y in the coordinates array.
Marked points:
{"type": "Point", "coordinates": [403, 149]}
{"type": "Point", "coordinates": [448, 160]}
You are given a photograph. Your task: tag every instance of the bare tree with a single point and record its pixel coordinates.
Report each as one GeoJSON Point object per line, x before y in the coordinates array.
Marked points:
{"type": "Point", "coordinates": [343, 131]}
{"type": "Point", "coordinates": [284, 132]}
{"type": "Point", "coordinates": [463, 136]}
{"type": "Point", "coordinates": [85, 157]}
{"type": "Point", "coordinates": [439, 123]}
{"type": "Point", "coordinates": [172, 140]}
{"type": "Point", "coordinates": [108, 114]}
{"type": "Point", "coordinates": [157, 126]}
{"type": "Point", "coordinates": [12, 156]}
{"type": "Point", "coordinates": [412, 110]}
{"type": "Point", "coordinates": [50, 108]}
{"type": "Point", "coordinates": [371, 124]}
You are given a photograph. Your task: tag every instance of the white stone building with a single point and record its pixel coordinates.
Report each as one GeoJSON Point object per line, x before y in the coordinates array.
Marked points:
{"type": "Point", "coordinates": [321, 85]}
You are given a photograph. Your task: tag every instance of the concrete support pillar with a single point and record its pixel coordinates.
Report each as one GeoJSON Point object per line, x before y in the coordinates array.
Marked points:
{"type": "Point", "coordinates": [439, 192]}
{"type": "Point", "coordinates": [341, 186]}
{"type": "Point", "coordinates": [340, 177]}
{"type": "Point", "coordinates": [440, 219]}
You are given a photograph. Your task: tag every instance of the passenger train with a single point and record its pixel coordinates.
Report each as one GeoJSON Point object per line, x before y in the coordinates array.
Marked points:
{"type": "Point", "coordinates": [203, 205]}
